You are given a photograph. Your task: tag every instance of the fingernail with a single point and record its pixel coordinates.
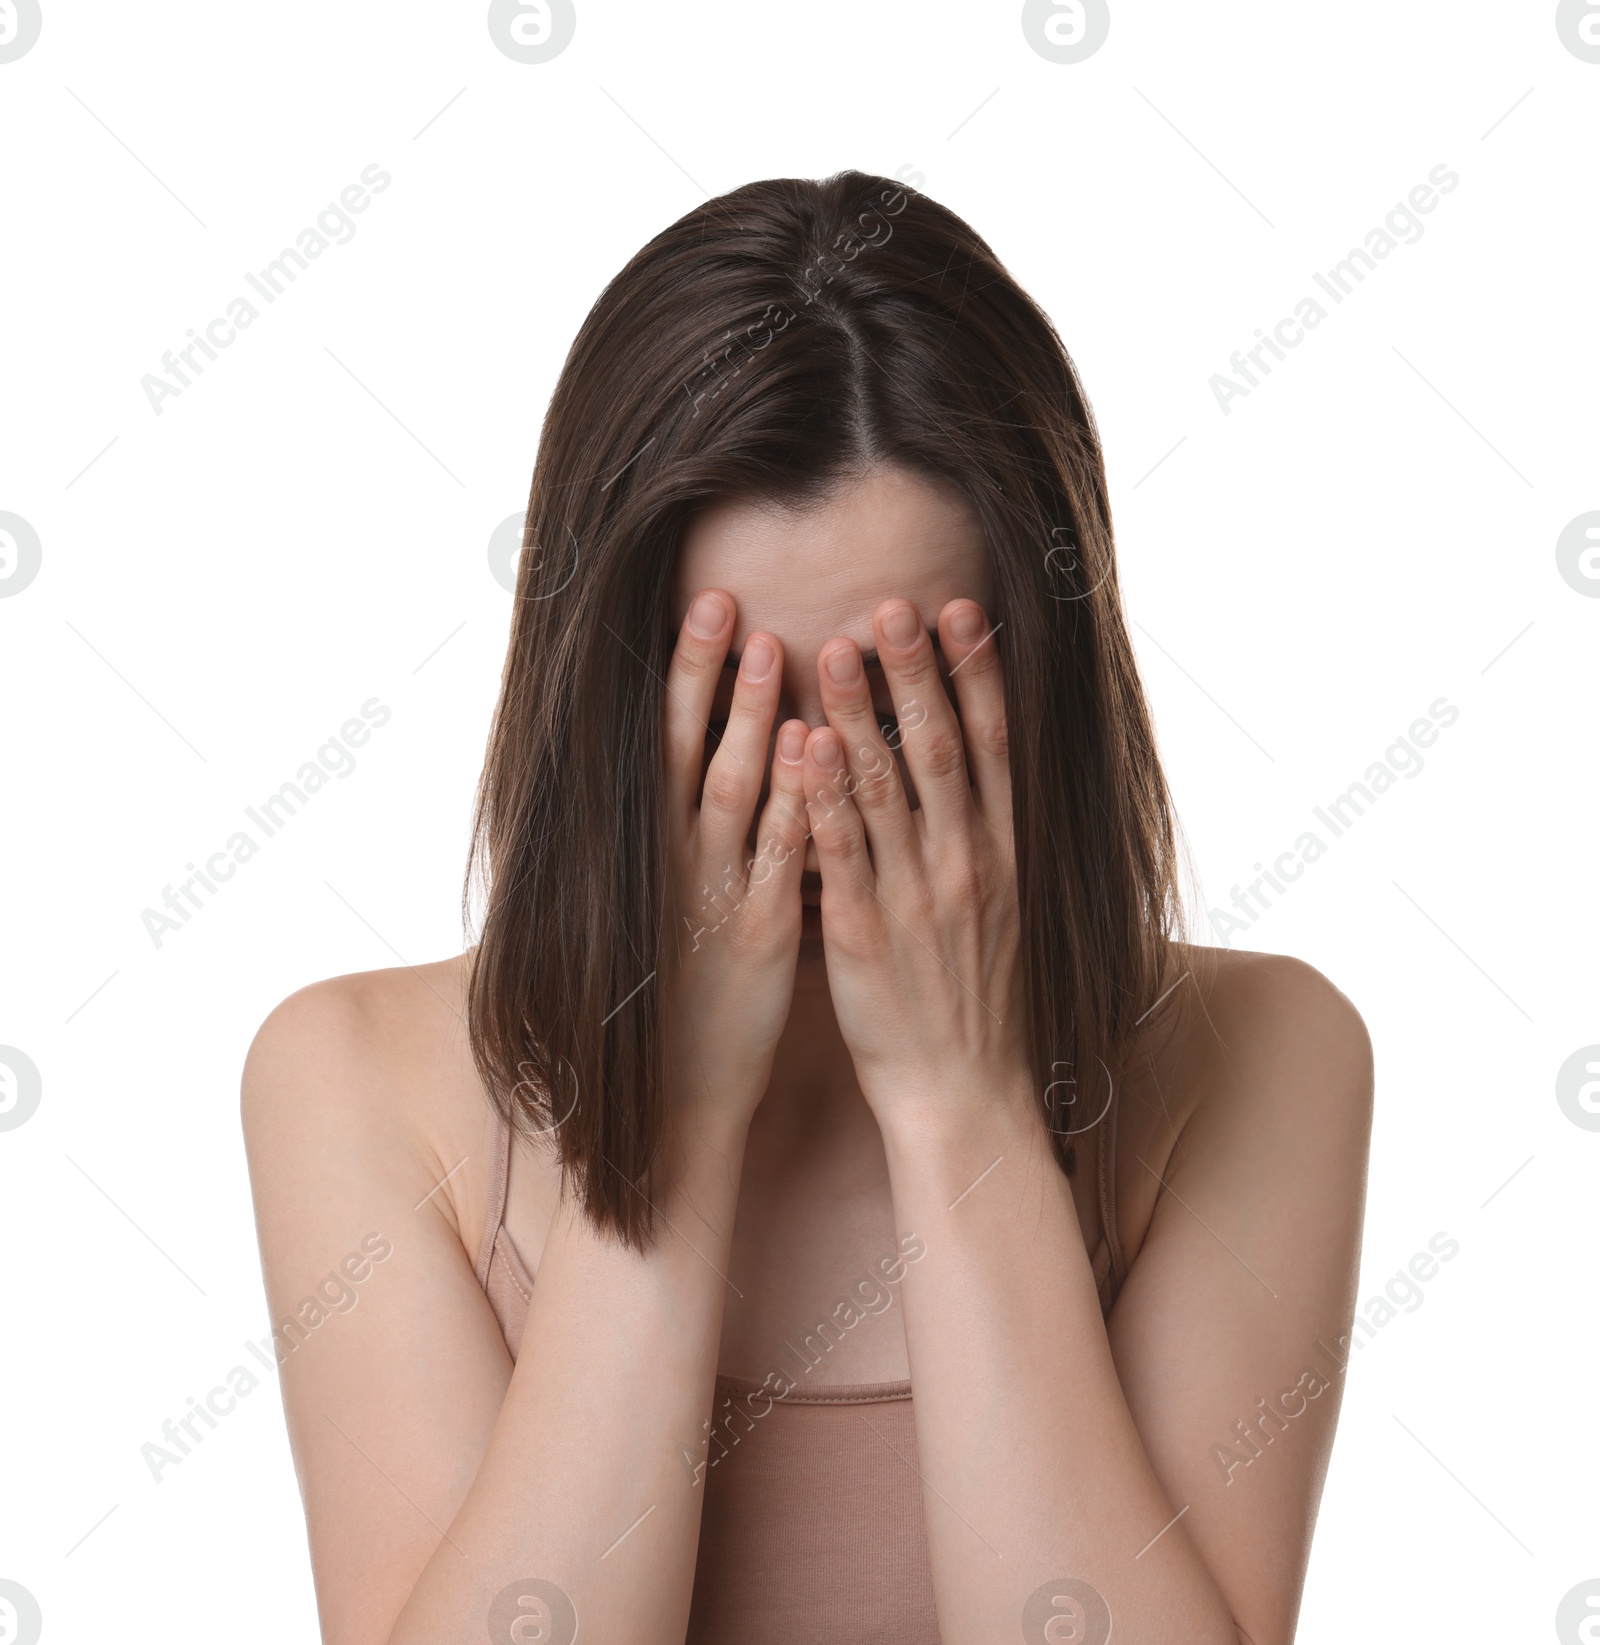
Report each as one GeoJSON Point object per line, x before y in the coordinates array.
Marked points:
{"type": "Point", "coordinates": [827, 749]}
{"type": "Point", "coordinates": [901, 626]}
{"type": "Point", "coordinates": [756, 662]}
{"type": "Point", "coordinates": [844, 665]}
{"type": "Point", "coordinates": [967, 623]}
{"type": "Point", "coordinates": [706, 615]}
{"type": "Point", "coordinates": [792, 743]}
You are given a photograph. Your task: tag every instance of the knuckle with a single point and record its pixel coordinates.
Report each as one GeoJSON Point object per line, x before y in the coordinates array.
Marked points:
{"type": "Point", "coordinates": [993, 738]}
{"type": "Point", "coordinates": [784, 831]}
{"type": "Point", "coordinates": [877, 782]}
{"type": "Point", "coordinates": [829, 828]}
{"type": "Point", "coordinates": [723, 791]}
{"type": "Point", "coordinates": [920, 672]}
{"type": "Point", "coordinates": [780, 817]}
{"type": "Point", "coordinates": [824, 830]}
{"type": "Point", "coordinates": [776, 849]}
{"type": "Point", "coordinates": [965, 896]}
{"type": "Point", "coordinates": [943, 752]}
{"type": "Point", "coordinates": [691, 680]}
{"type": "Point", "coordinates": [697, 657]}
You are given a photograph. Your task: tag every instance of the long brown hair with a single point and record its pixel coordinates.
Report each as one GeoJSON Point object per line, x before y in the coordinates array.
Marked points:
{"type": "Point", "coordinates": [767, 344]}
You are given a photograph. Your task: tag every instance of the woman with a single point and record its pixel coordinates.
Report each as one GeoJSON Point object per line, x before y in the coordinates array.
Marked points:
{"type": "Point", "coordinates": [906, 1236]}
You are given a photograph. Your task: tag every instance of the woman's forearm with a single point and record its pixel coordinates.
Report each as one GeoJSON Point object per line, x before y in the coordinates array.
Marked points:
{"type": "Point", "coordinates": [589, 1481]}
{"type": "Point", "coordinates": [1034, 1470]}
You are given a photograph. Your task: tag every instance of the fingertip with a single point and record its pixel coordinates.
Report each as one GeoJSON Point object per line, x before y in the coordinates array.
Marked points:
{"type": "Point", "coordinates": [898, 622]}
{"type": "Point", "coordinates": [825, 749]}
{"type": "Point", "coordinates": [708, 614]}
{"type": "Point", "coordinates": [792, 736]}
{"type": "Point", "coordinates": [964, 621]}
{"type": "Point", "coordinates": [839, 665]}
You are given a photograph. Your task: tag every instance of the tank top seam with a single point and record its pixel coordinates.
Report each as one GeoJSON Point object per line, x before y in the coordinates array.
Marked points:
{"type": "Point", "coordinates": [525, 1292]}
{"type": "Point", "coordinates": [846, 1393]}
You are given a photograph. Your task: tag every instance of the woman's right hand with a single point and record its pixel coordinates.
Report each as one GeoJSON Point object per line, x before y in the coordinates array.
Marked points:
{"type": "Point", "coordinates": [735, 937]}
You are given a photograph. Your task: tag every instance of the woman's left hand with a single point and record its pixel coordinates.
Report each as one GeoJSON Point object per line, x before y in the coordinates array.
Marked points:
{"type": "Point", "coordinates": [919, 907]}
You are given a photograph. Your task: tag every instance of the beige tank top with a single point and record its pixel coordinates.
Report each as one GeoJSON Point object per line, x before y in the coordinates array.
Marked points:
{"type": "Point", "coordinates": [812, 1523]}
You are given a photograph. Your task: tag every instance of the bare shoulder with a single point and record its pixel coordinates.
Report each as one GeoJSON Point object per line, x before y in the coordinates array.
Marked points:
{"type": "Point", "coordinates": [1274, 1020]}
{"type": "Point", "coordinates": [1239, 1018]}
{"type": "Point", "coordinates": [1259, 1063]}
{"type": "Point", "coordinates": [398, 1009]}
{"type": "Point", "coordinates": [1277, 1073]}
{"type": "Point", "coordinates": [373, 1070]}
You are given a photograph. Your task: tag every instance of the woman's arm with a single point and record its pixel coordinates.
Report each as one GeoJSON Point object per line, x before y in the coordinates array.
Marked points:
{"type": "Point", "coordinates": [1068, 1475]}
{"type": "Point", "coordinates": [1122, 1463]}
{"type": "Point", "coordinates": [436, 1478]}
{"type": "Point", "coordinates": [435, 1475]}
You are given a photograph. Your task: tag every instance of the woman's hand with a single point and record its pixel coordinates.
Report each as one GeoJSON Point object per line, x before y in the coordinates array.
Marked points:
{"type": "Point", "coordinates": [919, 907]}
{"type": "Point", "coordinates": [735, 912]}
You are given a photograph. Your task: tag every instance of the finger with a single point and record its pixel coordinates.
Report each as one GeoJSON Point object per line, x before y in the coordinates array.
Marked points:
{"type": "Point", "coordinates": [773, 874]}
{"type": "Point", "coordinates": [692, 677]}
{"type": "Point", "coordinates": [836, 827]}
{"type": "Point", "coordinates": [763, 891]}
{"type": "Point", "coordinates": [931, 736]}
{"type": "Point", "coordinates": [738, 768]}
{"type": "Point", "coordinates": [875, 786]}
{"type": "Point", "coordinates": [968, 643]}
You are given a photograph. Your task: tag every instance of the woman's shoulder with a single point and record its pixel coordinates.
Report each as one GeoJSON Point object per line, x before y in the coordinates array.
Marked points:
{"type": "Point", "coordinates": [1241, 975]}
{"type": "Point", "coordinates": [1260, 1009]}
{"type": "Point", "coordinates": [385, 1035]}
{"type": "Point", "coordinates": [372, 1070]}
{"type": "Point", "coordinates": [1254, 1057]}
{"type": "Point", "coordinates": [1249, 1024]}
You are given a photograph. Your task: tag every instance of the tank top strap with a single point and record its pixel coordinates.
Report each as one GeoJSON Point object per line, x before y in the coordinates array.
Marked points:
{"type": "Point", "coordinates": [1108, 1197]}
{"type": "Point", "coordinates": [495, 1207]}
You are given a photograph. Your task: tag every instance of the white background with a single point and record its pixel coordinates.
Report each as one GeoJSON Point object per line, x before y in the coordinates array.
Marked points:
{"type": "Point", "coordinates": [306, 527]}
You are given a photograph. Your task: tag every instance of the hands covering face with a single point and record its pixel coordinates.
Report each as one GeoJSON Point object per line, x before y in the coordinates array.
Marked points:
{"type": "Point", "coordinates": [919, 912]}
{"type": "Point", "coordinates": [919, 907]}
